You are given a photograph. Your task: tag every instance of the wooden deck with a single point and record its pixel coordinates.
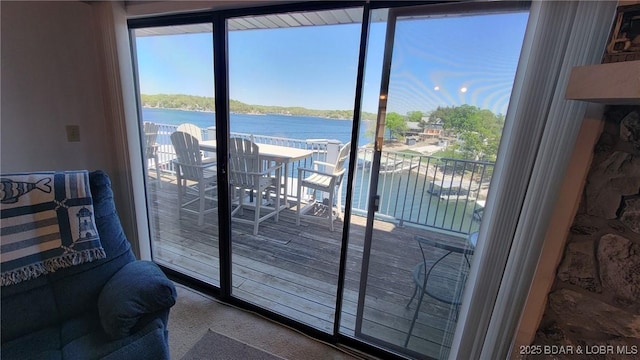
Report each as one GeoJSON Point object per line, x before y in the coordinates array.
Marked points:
{"type": "Point", "coordinates": [293, 270]}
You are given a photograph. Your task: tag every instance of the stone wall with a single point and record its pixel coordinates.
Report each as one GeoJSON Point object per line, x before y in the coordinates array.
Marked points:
{"type": "Point", "coordinates": [595, 299]}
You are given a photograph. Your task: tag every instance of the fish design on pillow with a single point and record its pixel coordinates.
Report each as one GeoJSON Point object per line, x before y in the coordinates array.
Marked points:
{"type": "Point", "coordinates": [10, 191]}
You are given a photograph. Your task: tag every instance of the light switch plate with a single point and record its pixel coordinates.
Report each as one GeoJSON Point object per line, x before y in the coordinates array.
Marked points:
{"type": "Point", "coordinates": [73, 133]}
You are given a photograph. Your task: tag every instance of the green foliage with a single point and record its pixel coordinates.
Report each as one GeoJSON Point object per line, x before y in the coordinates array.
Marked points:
{"type": "Point", "coordinates": [178, 101]}
{"type": "Point", "coordinates": [414, 116]}
{"type": "Point", "coordinates": [478, 129]}
{"type": "Point", "coordinates": [396, 124]}
{"type": "Point", "coordinates": [201, 103]}
{"type": "Point", "coordinates": [456, 118]}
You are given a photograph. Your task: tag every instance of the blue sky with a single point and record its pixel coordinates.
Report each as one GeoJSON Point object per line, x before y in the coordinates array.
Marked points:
{"type": "Point", "coordinates": [315, 67]}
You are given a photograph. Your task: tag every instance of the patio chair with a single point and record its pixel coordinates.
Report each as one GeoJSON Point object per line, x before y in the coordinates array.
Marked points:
{"type": "Point", "coordinates": [189, 167]}
{"type": "Point", "coordinates": [246, 174]}
{"type": "Point", "coordinates": [328, 181]}
{"type": "Point", "coordinates": [196, 132]}
{"type": "Point", "coordinates": [151, 147]}
{"type": "Point", "coordinates": [430, 277]}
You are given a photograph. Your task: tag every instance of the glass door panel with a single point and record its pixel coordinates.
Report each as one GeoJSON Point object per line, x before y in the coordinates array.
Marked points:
{"type": "Point", "coordinates": [292, 79]}
{"type": "Point", "coordinates": [175, 81]}
{"type": "Point", "coordinates": [422, 181]}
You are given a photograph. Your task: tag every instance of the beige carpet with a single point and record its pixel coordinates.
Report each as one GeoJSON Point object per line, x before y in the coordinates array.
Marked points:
{"type": "Point", "coordinates": [195, 313]}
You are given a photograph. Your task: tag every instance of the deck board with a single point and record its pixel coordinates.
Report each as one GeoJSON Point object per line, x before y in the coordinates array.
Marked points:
{"type": "Point", "coordinates": [293, 270]}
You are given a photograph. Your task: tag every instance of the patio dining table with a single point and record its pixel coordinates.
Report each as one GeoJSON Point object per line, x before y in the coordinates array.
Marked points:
{"type": "Point", "coordinates": [279, 154]}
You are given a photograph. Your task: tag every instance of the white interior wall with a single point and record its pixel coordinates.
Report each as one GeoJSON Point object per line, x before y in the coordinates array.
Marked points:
{"type": "Point", "coordinates": [49, 79]}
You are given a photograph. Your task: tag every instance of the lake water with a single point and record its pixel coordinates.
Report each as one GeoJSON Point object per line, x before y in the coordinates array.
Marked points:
{"type": "Point", "coordinates": [296, 127]}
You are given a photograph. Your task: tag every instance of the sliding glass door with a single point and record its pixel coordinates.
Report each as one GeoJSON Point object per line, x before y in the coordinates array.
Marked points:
{"type": "Point", "coordinates": [175, 81]}
{"type": "Point", "coordinates": [292, 84]}
{"type": "Point", "coordinates": [342, 198]}
{"type": "Point", "coordinates": [447, 74]}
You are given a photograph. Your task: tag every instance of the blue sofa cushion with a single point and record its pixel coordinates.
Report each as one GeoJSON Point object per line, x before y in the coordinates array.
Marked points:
{"type": "Point", "coordinates": [139, 288]}
{"type": "Point", "coordinates": [42, 344]}
{"type": "Point", "coordinates": [149, 342]}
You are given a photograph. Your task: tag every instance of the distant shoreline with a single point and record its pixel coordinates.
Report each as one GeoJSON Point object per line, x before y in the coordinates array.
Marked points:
{"type": "Point", "coordinates": [207, 104]}
{"type": "Point", "coordinates": [249, 113]}
{"type": "Point", "coordinates": [178, 109]}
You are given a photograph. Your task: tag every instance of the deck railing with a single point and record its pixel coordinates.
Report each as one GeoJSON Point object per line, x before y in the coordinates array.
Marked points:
{"type": "Point", "coordinates": [446, 194]}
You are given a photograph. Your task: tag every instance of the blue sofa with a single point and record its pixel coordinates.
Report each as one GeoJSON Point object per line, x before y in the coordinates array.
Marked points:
{"type": "Point", "coordinates": [112, 308]}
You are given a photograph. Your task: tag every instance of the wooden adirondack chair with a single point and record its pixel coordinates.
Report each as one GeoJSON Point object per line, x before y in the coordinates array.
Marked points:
{"type": "Point", "coordinates": [328, 180]}
{"type": "Point", "coordinates": [246, 173]}
{"type": "Point", "coordinates": [189, 167]}
{"type": "Point", "coordinates": [151, 147]}
{"type": "Point", "coordinates": [196, 132]}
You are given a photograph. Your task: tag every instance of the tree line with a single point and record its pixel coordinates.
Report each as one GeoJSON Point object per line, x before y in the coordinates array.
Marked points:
{"type": "Point", "coordinates": [476, 130]}
{"type": "Point", "coordinates": [202, 103]}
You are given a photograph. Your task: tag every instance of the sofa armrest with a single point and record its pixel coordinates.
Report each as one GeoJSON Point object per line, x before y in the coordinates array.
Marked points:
{"type": "Point", "coordinates": [137, 289]}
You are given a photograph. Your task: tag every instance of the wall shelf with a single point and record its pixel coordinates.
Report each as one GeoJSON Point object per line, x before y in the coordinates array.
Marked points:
{"type": "Point", "coordinates": [612, 83]}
